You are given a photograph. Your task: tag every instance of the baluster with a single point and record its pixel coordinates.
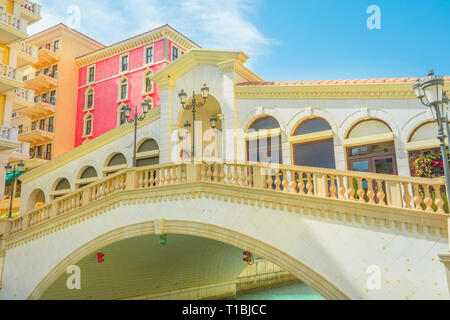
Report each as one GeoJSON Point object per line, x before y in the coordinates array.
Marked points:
{"type": "Point", "coordinates": [370, 191]}
{"type": "Point", "coordinates": [293, 184]}
{"type": "Point", "coordinates": [157, 178]}
{"type": "Point", "coordinates": [300, 183]}
{"type": "Point", "coordinates": [152, 179]}
{"type": "Point", "coordinates": [277, 180]}
{"type": "Point", "coordinates": [222, 173]}
{"type": "Point", "coordinates": [162, 178]}
{"type": "Point", "coordinates": [243, 175]}
{"type": "Point", "coordinates": [417, 199]}
{"type": "Point", "coordinates": [341, 191]}
{"type": "Point", "coordinates": [309, 184]}
{"type": "Point", "coordinates": [169, 177]}
{"type": "Point", "coordinates": [285, 181]}
{"type": "Point", "coordinates": [229, 176]}
{"type": "Point", "coordinates": [236, 175]}
{"type": "Point", "coordinates": [174, 175]}
{"type": "Point", "coordinates": [333, 179]}
{"type": "Point", "coordinates": [202, 172]}
{"type": "Point", "coordinates": [380, 192]}
{"type": "Point", "coordinates": [360, 190]}
{"type": "Point", "coordinates": [439, 202]}
{"type": "Point", "coordinates": [145, 178]}
{"type": "Point", "coordinates": [406, 195]}
{"type": "Point", "coordinates": [216, 172]}
{"type": "Point", "coordinates": [209, 173]}
{"type": "Point", "coordinates": [142, 179]}
{"type": "Point", "coordinates": [350, 189]}
{"type": "Point", "coordinates": [427, 199]}
{"type": "Point", "coordinates": [249, 176]}
{"type": "Point", "coordinates": [269, 180]}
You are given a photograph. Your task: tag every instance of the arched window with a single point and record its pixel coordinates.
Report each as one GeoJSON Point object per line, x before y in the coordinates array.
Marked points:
{"type": "Point", "coordinates": [36, 199]}
{"type": "Point", "coordinates": [264, 140]}
{"type": "Point", "coordinates": [121, 119]}
{"type": "Point", "coordinates": [312, 144]}
{"type": "Point", "coordinates": [61, 188]}
{"type": "Point", "coordinates": [370, 147]}
{"type": "Point", "coordinates": [147, 153]}
{"type": "Point", "coordinates": [123, 89]}
{"type": "Point", "coordinates": [89, 99]}
{"type": "Point", "coordinates": [115, 163]}
{"type": "Point", "coordinates": [424, 147]}
{"type": "Point", "coordinates": [88, 122]}
{"type": "Point", "coordinates": [87, 176]}
{"type": "Point", "coordinates": [147, 83]}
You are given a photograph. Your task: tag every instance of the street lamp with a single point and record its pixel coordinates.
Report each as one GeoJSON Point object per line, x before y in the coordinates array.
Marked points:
{"type": "Point", "coordinates": [431, 94]}
{"type": "Point", "coordinates": [193, 106]}
{"type": "Point", "coordinates": [127, 110]}
{"type": "Point", "coordinates": [13, 170]}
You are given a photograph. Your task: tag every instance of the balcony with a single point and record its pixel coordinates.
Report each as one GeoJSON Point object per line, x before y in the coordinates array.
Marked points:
{"type": "Point", "coordinates": [27, 54]}
{"type": "Point", "coordinates": [31, 11]}
{"type": "Point", "coordinates": [40, 108]}
{"type": "Point", "coordinates": [40, 82]}
{"type": "Point", "coordinates": [46, 56]}
{"type": "Point", "coordinates": [8, 138]}
{"type": "Point", "coordinates": [11, 28]}
{"type": "Point", "coordinates": [10, 78]}
{"type": "Point", "coordinates": [37, 135]}
{"type": "Point", "coordinates": [21, 153]}
{"type": "Point", "coordinates": [24, 98]}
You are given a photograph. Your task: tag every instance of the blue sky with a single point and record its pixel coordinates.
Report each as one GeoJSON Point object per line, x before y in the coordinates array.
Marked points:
{"type": "Point", "coordinates": [286, 39]}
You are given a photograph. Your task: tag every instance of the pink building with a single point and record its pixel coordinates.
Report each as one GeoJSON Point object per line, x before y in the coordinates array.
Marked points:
{"type": "Point", "coordinates": [119, 75]}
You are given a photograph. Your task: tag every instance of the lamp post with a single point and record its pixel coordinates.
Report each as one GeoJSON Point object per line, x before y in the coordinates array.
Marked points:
{"type": "Point", "coordinates": [431, 94]}
{"type": "Point", "coordinates": [193, 106]}
{"type": "Point", "coordinates": [127, 110]}
{"type": "Point", "coordinates": [13, 170]}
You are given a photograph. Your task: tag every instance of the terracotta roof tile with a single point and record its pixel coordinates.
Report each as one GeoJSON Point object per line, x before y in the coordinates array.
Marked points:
{"type": "Point", "coordinates": [333, 82]}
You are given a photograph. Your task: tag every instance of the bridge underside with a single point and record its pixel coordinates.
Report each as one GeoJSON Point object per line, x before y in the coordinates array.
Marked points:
{"type": "Point", "coordinates": [141, 267]}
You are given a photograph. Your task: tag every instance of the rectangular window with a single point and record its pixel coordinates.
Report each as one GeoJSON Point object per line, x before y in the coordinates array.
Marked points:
{"type": "Point", "coordinates": [90, 101]}
{"type": "Point", "coordinates": [48, 153]}
{"type": "Point", "coordinates": [174, 53]}
{"type": "Point", "coordinates": [44, 98]}
{"type": "Point", "coordinates": [53, 97]}
{"type": "Point", "coordinates": [33, 125]}
{"type": "Point", "coordinates": [149, 55]}
{"type": "Point", "coordinates": [50, 124]}
{"type": "Point", "coordinates": [55, 71]}
{"type": "Point", "coordinates": [88, 127]}
{"type": "Point", "coordinates": [46, 71]}
{"type": "Point", "coordinates": [123, 91]}
{"type": "Point", "coordinates": [148, 85]}
{"type": "Point", "coordinates": [124, 63]}
{"type": "Point", "coordinates": [48, 45]}
{"type": "Point", "coordinates": [91, 74]}
{"type": "Point", "coordinates": [39, 152]}
{"type": "Point", "coordinates": [42, 124]}
{"type": "Point", "coordinates": [56, 46]}
{"type": "Point", "coordinates": [123, 119]}
{"type": "Point", "coordinates": [20, 128]}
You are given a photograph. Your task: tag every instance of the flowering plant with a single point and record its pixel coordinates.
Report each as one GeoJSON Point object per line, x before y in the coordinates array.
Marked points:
{"type": "Point", "coordinates": [427, 166]}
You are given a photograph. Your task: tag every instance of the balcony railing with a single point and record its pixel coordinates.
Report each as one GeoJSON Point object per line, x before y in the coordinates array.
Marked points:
{"type": "Point", "coordinates": [12, 21]}
{"type": "Point", "coordinates": [40, 155]}
{"type": "Point", "coordinates": [9, 72]}
{"type": "Point", "coordinates": [28, 49]}
{"type": "Point", "coordinates": [47, 128]}
{"type": "Point", "coordinates": [8, 134]}
{"type": "Point", "coordinates": [23, 149]}
{"type": "Point", "coordinates": [37, 74]}
{"type": "Point", "coordinates": [49, 100]}
{"type": "Point", "coordinates": [25, 94]}
{"type": "Point", "coordinates": [32, 7]}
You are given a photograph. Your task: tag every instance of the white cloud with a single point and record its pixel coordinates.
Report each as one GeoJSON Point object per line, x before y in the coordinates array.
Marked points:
{"type": "Point", "coordinates": [214, 24]}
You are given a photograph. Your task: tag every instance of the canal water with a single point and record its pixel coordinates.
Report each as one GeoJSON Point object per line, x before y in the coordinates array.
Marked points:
{"type": "Point", "coordinates": [296, 291]}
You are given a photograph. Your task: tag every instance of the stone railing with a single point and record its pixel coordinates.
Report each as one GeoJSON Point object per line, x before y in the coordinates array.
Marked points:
{"type": "Point", "coordinates": [35, 8]}
{"type": "Point", "coordinates": [12, 21]}
{"type": "Point", "coordinates": [25, 94]}
{"type": "Point", "coordinates": [377, 190]}
{"type": "Point", "coordinates": [8, 134]}
{"type": "Point", "coordinates": [23, 149]}
{"type": "Point", "coordinates": [9, 72]}
{"type": "Point", "coordinates": [28, 49]}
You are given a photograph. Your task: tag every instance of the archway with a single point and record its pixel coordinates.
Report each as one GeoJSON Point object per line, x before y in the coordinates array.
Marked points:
{"type": "Point", "coordinates": [36, 199]}
{"type": "Point", "coordinates": [202, 230]}
{"type": "Point", "coordinates": [114, 163]}
{"type": "Point", "coordinates": [312, 144]}
{"type": "Point", "coordinates": [370, 147]}
{"type": "Point", "coordinates": [147, 153]}
{"type": "Point", "coordinates": [211, 137]}
{"type": "Point", "coordinates": [86, 176]}
{"type": "Point", "coordinates": [60, 188]}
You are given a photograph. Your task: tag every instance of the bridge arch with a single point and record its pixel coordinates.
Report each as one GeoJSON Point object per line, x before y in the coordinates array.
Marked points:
{"type": "Point", "coordinates": [204, 230]}
{"type": "Point", "coordinates": [35, 199]}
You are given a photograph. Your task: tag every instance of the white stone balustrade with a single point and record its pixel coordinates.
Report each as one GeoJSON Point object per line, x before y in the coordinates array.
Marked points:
{"type": "Point", "coordinates": [33, 7]}
{"type": "Point", "coordinates": [9, 72]}
{"type": "Point", "coordinates": [12, 21]}
{"type": "Point", "coordinates": [28, 49]}
{"type": "Point", "coordinates": [25, 94]}
{"type": "Point", "coordinates": [23, 149]}
{"type": "Point", "coordinates": [8, 134]}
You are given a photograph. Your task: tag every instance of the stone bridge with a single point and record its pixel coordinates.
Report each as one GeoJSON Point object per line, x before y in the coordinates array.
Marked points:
{"type": "Point", "coordinates": [347, 235]}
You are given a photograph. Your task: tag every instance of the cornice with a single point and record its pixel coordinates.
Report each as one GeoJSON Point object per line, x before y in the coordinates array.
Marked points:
{"type": "Point", "coordinates": [136, 42]}
{"type": "Point", "coordinates": [326, 208]}
{"type": "Point", "coordinates": [89, 146]}
{"type": "Point", "coordinates": [197, 57]}
{"type": "Point", "coordinates": [348, 91]}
